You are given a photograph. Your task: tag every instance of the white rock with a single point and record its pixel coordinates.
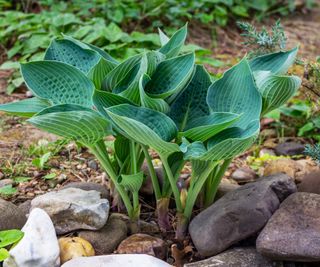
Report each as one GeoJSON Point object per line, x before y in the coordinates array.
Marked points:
{"type": "Point", "coordinates": [72, 209]}
{"type": "Point", "coordinates": [39, 246]}
{"type": "Point", "coordinates": [123, 260]}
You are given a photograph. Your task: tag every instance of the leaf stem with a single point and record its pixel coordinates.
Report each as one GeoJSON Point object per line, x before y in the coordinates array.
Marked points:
{"type": "Point", "coordinates": [153, 175]}
{"type": "Point", "coordinates": [99, 150]}
{"type": "Point", "coordinates": [172, 181]}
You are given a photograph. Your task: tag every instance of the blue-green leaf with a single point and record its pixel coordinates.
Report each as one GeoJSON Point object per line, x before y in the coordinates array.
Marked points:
{"type": "Point", "coordinates": [131, 182]}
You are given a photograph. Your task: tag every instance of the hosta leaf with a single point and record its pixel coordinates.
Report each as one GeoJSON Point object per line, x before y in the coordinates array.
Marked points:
{"type": "Point", "coordinates": [85, 126]}
{"type": "Point", "coordinates": [171, 76]}
{"type": "Point", "coordinates": [275, 90]}
{"type": "Point", "coordinates": [99, 72]}
{"type": "Point", "coordinates": [103, 53]}
{"type": "Point", "coordinates": [58, 82]}
{"type": "Point", "coordinates": [236, 92]}
{"type": "Point", "coordinates": [154, 59]}
{"type": "Point", "coordinates": [164, 39]}
{"type": "Point", "coordinates": [277, 63]}
{"type": "Point", "coordinates": [149, 102]}
{"type": "Point", "coordinates": [103, 99]}
{"type": "Point", "coordinates": [122, 75]}
{"type": "Point", "coordinates": [203, 128]}
{"type": "Point", "coordinates": [172, 47]}
{"type": "Point", "coordinates": [26, 107]}
{"type": "Point", "coordinates": [122, 147]}
{"type": "Point", "coordinates": [131, 182]}
{"type": "Point", "coordinates": [146, 126]}
{"type": "Point", "coordinates": [191, 103]}
{"type": "Point", "coordinates": [9, 237]}
{"type": "Point", "coordinates": [70, 52]}
{"type": "Point", "coordinates": [226, 144]}
{"type": "Point", "coordinates": [132, 92]}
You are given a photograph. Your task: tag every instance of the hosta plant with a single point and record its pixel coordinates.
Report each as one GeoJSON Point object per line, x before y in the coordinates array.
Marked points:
{"type": "Point", "coordinates": [159, 100]}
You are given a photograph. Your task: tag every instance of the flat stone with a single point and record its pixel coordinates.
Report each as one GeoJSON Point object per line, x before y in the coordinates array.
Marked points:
{"type": "Point", "coordinates": [12, 217]}
{"type": "Point", "coordinates": [310, 183]}
{"type": "Point", "coordinates": [124, 260]}
{"type": "Point", "coordinates": [289, 149]}
{"type": "Point", "coordinates": [293, 232]}
{"type": "Point", "coordinates": [73, 209]}
{"type": "Point", "coordinates": [107, 239]}
{"type": "Point", "coordinates": [143, 244]}
{"type": "Point", "coordinates": [39, 245]}
{"type": "Point", "coordinates": [104, 192]}
{"type": "Point", "coordinates": [236, 257]}
{"type": "Point", "coordinates": [244, 175]}
{"type": "Point", "coordinates": [239, 214]}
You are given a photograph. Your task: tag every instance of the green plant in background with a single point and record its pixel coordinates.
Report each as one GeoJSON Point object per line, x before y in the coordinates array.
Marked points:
{"type": "Point", "coordinates": [263, 42]}
{"type": "Point", "coordinates": [313, 152]}
{"type": "Point", "coordinates": [159, 100]}
{"type": "Point", "coordinates": [8, 238]}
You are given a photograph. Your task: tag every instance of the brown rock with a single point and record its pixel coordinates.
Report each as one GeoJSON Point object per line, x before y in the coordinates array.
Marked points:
{"type": "Point", "coordinates": [25, 207]}
{"type": "Point", "coordinates": [225, 187]}
{"type": "Point", "coordinates": [143, 244]}
{"type": "Point", "coordinates": [287, 166]}
{"type": "Point", "coordinates": [293, 232]}
{"type": "Point", "coordinates": [12, 217]}
{"type": "Point", "coordinates": [310, 183]}
{"type": "Point", "coordinates": [244, 175]}
{"type": "Point", "coordinates": [106, 240]}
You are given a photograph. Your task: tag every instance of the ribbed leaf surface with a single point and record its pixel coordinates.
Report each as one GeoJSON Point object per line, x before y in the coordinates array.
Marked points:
{"type": "Point", "coordinates": [99, 72]}
{"type": "Point", "coordinates": [58, 82]}
{"type": "Point", "coordinates": [171, 76]}
{"type": "Point", "coordinates": [153, 103]}
{"type": "Point", "coordinates": [226, 144]}
{"type": "Point", "coordinates": [122, 75]}
{"type": "Point", "coordinates": [203, 128]}
{"type": "Point", "coordinates": [236, 92]}
{"type": "Point", "coordinates": [26, 107]}
{"type": "Point", "coordinates": [277, 63]}
{"type": "Point", "coordinates": [275, 90]}
{"type": "Point", "coordinates": [85, 126]}
{"type": "Point", "coordinates": [191, 103]}
{"type": "Point", "coordinates": [131, 182]}
{"type": "Point", "coordinates": [171, 48]}
{"type": "Point", "coordinates": [146, 126]}
{"type": "Point", "coordinates": [70, 52]}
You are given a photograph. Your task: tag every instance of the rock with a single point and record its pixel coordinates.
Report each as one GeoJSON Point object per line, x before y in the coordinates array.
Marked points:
{"type": "Point", "coordinates": [143, 244]}
{"type": "Point", "coordinates": [72, 209]}
{"type": "Point", "coordinates": [306, 166]}
{"type": "Point", "coordinates": [310, 183]}
{"type": "Point", "coordinates": [225, 187]}
{"type": "Point", "coordinates": [244, 175]}
{"type": "Point", "coordinates": [74, 247]}
{"type": "Point", "coordinates": [39, 246]}
{"type": "Point", "coordinates": [236, 257]}
{"type": "Point", "coordinates": [144, 227]}
{"type": "Point", "coordinates": [25, 207]}
{"type": "Point", "coordinates": [124, 260]}
{"type": "Point", "coordinates": [147, 188]}
{"type": "Point", "coordinates": [293, 232]}
{"type": "Point", "coordinates": [107, 239]}
{"type": "Point", "coordinates": [6, 182]}
{"type": "Point", "coordinates": [92, 164]}
{"type": "Point", "coordinates": [289, 149]}
{"type": "Point", "coordinates": [287, 166]}
{"type": "Point", "coordinates": [239, 214]}
{"type": "Point", "coordinates": [12, 217]}
{"type": "Point", "coordinates": [104, 192]}
{"type": "Point", "coordinates": [265, 151]}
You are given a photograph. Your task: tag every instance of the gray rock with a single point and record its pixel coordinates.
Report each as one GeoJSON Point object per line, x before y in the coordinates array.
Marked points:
{"type": "Point", "coordinates": [107, 239]}
{"type": "Point", "coordinates": [244, 175]}
{"type": "Point", "coordinates": [6, 182]}
{"type": "Point", "coordinates": [12, 217]}
{"type": "Point", "coordinates": [104, 192]}
{"type": "Point", "coordinates": [225, 187]}
{"type": "Point", "coordinates": [239, 214]}
{"type": "Point", "coordinates": [73, 209]}
{"type": "Point", "coordinates": [124, 260]}
{"type": "Point", "coordinates": [92, 164]}
{"type": "Point", "coordinates": [25, 207]}
{"type": "Point", "coordinates": [39, 245]}
{"type": "Point", "coordinates": [289, 149]}
{"type": "Point", "coordinates": [310, 183]}
{"type": "Point", "coordinates": [293, 232]}
{"type": "Point", "coordinates": [147, 188]}
{"type": "Point", "coordinates": [236, 257]}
